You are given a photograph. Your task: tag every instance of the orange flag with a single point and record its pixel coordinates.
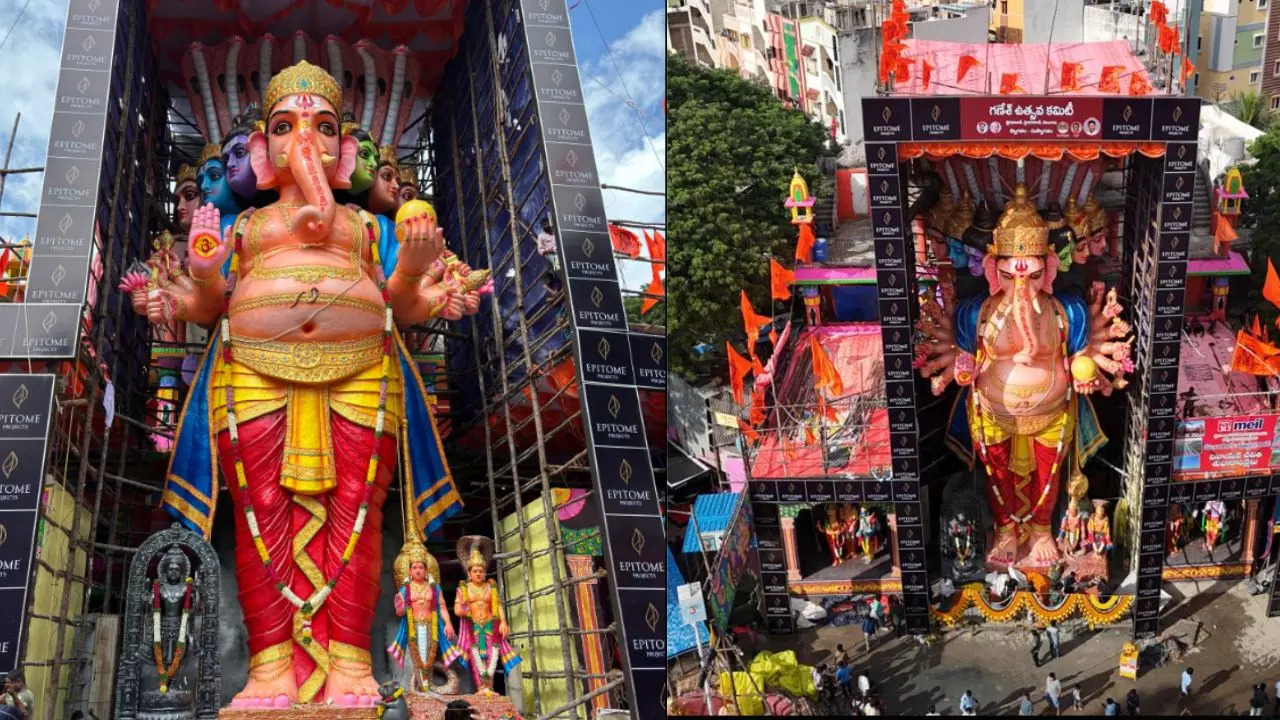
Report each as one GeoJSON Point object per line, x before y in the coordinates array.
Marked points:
{"type": "Point", "coordinates": [1110, 81]}
{"type": "Point", "coordinates": [1009, 84]}
{"type": "Point", "coordinates": [804, 246]}
{"type": "Point", "coordinates": [967, 63]}
{"type": "Point", "coordinates": [1188, 69]}
{"type": "Point", "coordinates": [655, 288]}
{"type": "Point", "coordinates": [809, 437]}
{"type": "Point", "coordinates": [1271, 288]}
{"type": "Point", "coordinates": [1224, 234]}
{"type": "Point", "coordinates": [902, 70]}
{"type": "Point", "coordinates": [926, 72]}
{"type": "Point", "coordinates": [657, 245]}
{"type": "Point", "coordinates": [1256, 330]}
{"type": "Point", "coordinates": [1138, 84]}
{"type": "Point", "coordinates": [738, 369]}
{"type": "Point", "coordinates": [1167, 38]}
{"type": "Point", "coordinates": [1159, 13]}
{"type": "Point", "coordinates": [751, 322]}
{"type": "Point", "coordinates": [780, 280]}
{"type": "Point", "coordinates": [1071, 72]}
{"type": "Point", "coordinates": [752, 436]}
{"type": "Point", "coordinates": [824, 371]}
{"type": "Point", "coordinates": [757, 409]}
{"type": "Point", "coordinates": [788, 448]}
{"type": "Point", "coordinates": [624, 241]}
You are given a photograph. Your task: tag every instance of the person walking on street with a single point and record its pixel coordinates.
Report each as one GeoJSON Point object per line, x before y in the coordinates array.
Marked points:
{"type": "Point", "coordinates": [1026, 708]}
{"type": "Point", "coordinates": [864, 684]}
{"type": "Point", "coordinates": [868, 629]}
{"type": "Point", "coordinates": [841, 656]}
{"type": "Point", "coordinates": [968, 706]}
{"type": "Point", "coordinates": [1077, 702]}
{"type": "Point", "coordinates": [844, 676]}
{"type": "Point", "coordinates": [1259, 700]}
{"type": "Point", "coordinates": [1275, 712]}
{"type": "Point", "coordinates": [1053, 693]}
{"type": "Point", "coordinates": [933, 710]}
{"type": "Point", "coordinates": [1186, 682]}
{"type": "Point", "coordinates": [1055, 640]}
{"type": "Point", "coordinates": [1036, 643]}
{"type": "Point", "coordinates": [895, 616]}
{"type": "Point", "coordinates": [1111, 708]}
{"type": "Point", "coordinates": [1131, 702]}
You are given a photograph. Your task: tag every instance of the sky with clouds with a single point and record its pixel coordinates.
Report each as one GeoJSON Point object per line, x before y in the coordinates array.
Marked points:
{"type": "Point", "coordinates": [621, 51]}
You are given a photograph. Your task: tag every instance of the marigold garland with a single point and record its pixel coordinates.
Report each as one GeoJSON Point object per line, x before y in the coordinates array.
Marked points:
{"type": "Point", "coordinates": [167, 671]}
{"type": "Point", "coordinates": [1094, 610]}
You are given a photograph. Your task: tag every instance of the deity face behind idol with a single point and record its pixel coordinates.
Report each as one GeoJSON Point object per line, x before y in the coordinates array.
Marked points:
{"type": "Point", "coordinates": [407, 192]}
{"type": "Point", "coordinates": [240, 176]}
{"type": "Point", "coordinates": [476, 574]}
{"type": "Point", "coordinates": [214, 187]}
{"type": "Point", "coordinates": [188, 201]}
{"type": "Point", "coordinates": [383, 195]}
{"type": "Point", "coordinates": [366, 167]}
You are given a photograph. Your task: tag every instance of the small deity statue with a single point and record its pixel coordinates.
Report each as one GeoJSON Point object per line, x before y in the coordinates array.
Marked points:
{"type": "Point", "coordinates": [483, 629]}
{"type": "Point", "coordinates": [391, 703]}
{"type": "Point", "coordinates": [1211, 523]}
{"type": "Point", "coordinates": [425, 626]}
{"type": "Point", "coordinates": [1176, 537]}
{"type": "Point", "coordinates": [834, 530]}
{"type": "Point", "coordinates": [1071, 531]}
{"type": "Point", "coordinates": [868, 533]}
{"type": "Point", "coordinates": [961, 545]}
{"type": "Point", "coordinates": [1099, 528]}
{"type": "Point", "coordinates": [173, 596]}
{"type": "Point", "coordinates": [849, 528]}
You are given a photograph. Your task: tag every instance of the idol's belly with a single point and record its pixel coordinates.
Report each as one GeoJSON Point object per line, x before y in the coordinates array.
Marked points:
{"type": "Point", "coordinates": [1018, 390]}
{"type": "Point", "coordinates": [314, 309]}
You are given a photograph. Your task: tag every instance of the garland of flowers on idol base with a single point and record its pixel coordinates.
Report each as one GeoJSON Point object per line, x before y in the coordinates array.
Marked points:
{"type": "Point", "coordinates": [311, 605]}
{"type": "Point", "coordinates": [167, 671]}
{"type": "Point", "coordinates": [998, 325]}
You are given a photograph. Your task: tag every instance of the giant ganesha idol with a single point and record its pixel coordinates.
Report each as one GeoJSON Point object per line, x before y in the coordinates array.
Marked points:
{"type": "Point", "coordinates": [306, 399]}
{"type": "Point", "coordinates": [1026, 360]}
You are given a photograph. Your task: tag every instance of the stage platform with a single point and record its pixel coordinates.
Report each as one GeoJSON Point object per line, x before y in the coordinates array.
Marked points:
{"type": "Point", "coordinates": [1194, 563]}
{"type": "Point", "coordinates": [852, 577]}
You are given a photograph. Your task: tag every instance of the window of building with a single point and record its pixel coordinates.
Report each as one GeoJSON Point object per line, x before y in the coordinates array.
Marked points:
{"type": "Point", "coordinates": [1254, 77]}
{"type": "Point", "coordinates": [1196, 79]}
{"type": "Point", "coordinates": [1199, 41]}
{"type": "Point", "coordinates": [1257, 39]}
{"type": "Point", "coordinates": [1275, 69]}
{"type": "Point", "coordinates": [1004, 6]}
{"type": "Point", "coordinates": [1262, 4]}
{"type": "Point", "coordinates": [1275, 102]}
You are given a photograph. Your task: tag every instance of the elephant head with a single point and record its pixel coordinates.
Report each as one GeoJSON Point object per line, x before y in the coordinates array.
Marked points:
{"type": "Point", "coordinates": [301, 145]}
{"type": "Point", "coordinates": [1021, 264]}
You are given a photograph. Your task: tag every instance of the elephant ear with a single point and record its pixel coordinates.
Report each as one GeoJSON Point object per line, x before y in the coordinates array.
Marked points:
{"type": "Point", "coordinates": [347, 153]}
{"type": "Point", "coordinates": [260, 160]}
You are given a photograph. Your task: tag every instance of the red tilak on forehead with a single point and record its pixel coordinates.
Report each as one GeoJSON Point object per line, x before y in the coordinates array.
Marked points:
{"type": "Point", "coordinates": [1020, 266]}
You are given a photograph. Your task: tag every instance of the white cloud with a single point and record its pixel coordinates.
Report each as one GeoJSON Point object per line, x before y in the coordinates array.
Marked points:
{"type": "Point", "coordinates": [619, 92]}
{"type": "Point", "coordinates": [29, 68]}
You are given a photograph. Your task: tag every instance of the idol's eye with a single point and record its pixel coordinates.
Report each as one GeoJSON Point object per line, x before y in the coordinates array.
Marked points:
{"type": "Point", "coordinates": [1037, 275]}
{"type": "Point", "coordinates": [327, 128]}
{"type": "Point", "coordinates": [1006, 276]}
{"type": "Point", "coordinates": [240, 151]}
{"type": "Point", "coordinates": [281, 128]}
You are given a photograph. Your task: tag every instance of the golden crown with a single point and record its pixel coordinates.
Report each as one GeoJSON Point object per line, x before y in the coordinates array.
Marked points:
{"type": "Point", "coordinates": [387, 156]}
{"type": "Point", "coordinates": [412, 552]}
{"type": "Point", "coordinates": [349, 126]}
{"type": "Point", "coordinates": [1097, 217]}
{"type": "Point", "coordinates": [407, 176]}
{"type": "Point", "coordinates": [941, 211]}
{"type": "Point", "coordinates": [1076, 219]}
{"type": "Point", "coordinates": [186, 173]}
{"type": "Point", "coordinates": [303, 78]}
{"type": "Point", "coordinates": [474, 550]}
{"type": "Point", "coordinates": [1021, 231]}
{"type": "Point", "coordinates": [961, 217]}
{"type": "Point", "coordinates": [212, 151]}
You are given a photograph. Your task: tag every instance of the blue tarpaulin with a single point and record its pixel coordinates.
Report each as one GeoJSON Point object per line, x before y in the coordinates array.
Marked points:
{"type": "Point", "coordinates": [711, 514]}
{"type": "Point", "coordinates": [680, 637]}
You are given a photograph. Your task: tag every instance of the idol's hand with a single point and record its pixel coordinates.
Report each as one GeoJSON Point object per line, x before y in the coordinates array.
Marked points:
{"type": "Point", "coordinates": [449, 632]}
{"type": "Point", "coordinates": [207, 246]}
{"type": "Point", "coordinates": [162, 307]}
{"type": "Point", "coordinates": [503, 629]}
{"type": "Point", "coordinates": [421, 244]}
{"type": "Point", "coordinates": [399, 603]}
{"type": "Point", "coordinates": [471, 303]}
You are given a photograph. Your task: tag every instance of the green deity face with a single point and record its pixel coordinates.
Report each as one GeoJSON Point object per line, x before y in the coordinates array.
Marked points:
{"type": "Point", "coordinates": [366, 164]}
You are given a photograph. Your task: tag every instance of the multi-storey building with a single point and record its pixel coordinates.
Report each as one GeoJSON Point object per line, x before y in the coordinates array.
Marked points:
{"type": "Point", "coordinates": [821, 54]}
{"type": "Point", "coordinates": [690, 31]}
{"type": "Point", "coordinates": [740, 38]}
{"type": "Point", "coordinates": [1270, 87]}
{"type": "Point", "coordinates": [1229, 48]}
{"type": "Point", "coordinates": [1036, 21]}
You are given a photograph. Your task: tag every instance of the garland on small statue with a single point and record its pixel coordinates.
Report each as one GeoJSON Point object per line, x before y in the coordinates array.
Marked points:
{"type": "Point", "coordinates": [307, 607]}
{"type": "Point", "coordinates": [166, 672]}
{"type": "Point", "coordinates": [382, 708]}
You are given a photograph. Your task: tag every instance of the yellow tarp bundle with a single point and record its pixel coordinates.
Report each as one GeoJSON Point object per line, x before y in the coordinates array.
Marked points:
{"type": "Point", "coordinates": [738, 686]}
{"type": "Point", "coordinates": [769, 672]}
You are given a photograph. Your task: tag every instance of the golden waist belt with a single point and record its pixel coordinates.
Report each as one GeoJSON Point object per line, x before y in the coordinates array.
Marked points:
{"type": "Point", "coordinates": [1017, 424]}
{"type": "Point", "coordinates": [311, 363]}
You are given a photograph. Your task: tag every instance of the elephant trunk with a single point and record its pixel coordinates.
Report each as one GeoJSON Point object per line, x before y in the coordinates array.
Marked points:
{"type": "Point", "coordinates": [312, 222]}
{"type": "Point", "coordinates": [1025, 309]}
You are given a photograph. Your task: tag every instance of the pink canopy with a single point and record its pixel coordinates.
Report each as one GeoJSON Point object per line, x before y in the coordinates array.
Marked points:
{"type": "Point", "coordinates": [1030, 61]}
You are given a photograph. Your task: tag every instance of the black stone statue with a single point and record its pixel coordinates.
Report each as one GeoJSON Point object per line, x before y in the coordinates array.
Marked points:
{"type": "Point", "coordinates": [174, 575]}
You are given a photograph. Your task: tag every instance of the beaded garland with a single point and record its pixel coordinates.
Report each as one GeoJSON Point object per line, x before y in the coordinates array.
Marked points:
{"type": "Point", "coordinates": [167, 671]}
{"type": "Point", "coordinates": [307, 607]}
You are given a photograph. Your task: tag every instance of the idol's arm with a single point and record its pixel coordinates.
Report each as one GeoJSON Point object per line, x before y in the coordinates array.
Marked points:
{"type": "Point", "coordinates": [413, 298]}
{"type": "Point", "coordinates": [443, 608]}
{"type": "Point", "coordinates": [503, 629]}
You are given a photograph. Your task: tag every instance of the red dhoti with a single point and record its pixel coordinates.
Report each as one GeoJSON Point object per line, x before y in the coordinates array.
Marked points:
{"type": "Point", "coordinates": [306, 452]}
{"type": "Point", "coordinates": [1023, 458]}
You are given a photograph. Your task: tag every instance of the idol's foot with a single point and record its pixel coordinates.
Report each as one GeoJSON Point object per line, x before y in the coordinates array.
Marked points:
{"type": "Point", "coordinates": [271, 685]}
{"type": "Point", "coordinates": [1043, 549]}
{"type": "Point", "coordinates": [351, 684]}
{"type": "Point", "coordinates": [1005, 548]}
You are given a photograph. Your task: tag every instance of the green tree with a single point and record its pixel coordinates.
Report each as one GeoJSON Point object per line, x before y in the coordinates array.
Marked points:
{"type": "Point", "coordinates": [732, 149]}
{"type": "Point", "coordinates": [1261, 212]}
{"type": "Point", "coordinates": [1251, 108]}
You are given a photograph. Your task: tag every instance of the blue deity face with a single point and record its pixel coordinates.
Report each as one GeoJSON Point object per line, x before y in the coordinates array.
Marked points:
{"type": "Point", "coordinates": [235, 158]}
{"type": "Point", "coordinates": [214, 188]}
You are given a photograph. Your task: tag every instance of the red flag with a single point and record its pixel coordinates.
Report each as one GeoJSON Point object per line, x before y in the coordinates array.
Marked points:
{"type": "Point", "coordinates": [738, 369]}
{"type": "Point", "coordinates": [809, 437]}
{"type": "Point", "coordinates": [902, 70]}
{"type": "Point", "coordinates": [657, 245]}
{"type": "Point", "coordinates": [751, 322]}
{"type": "Point", "coordinates": [624, 241]}
{"type": "Point", "coordinates": [1138, 84]}
{"type": "Point", "coordinates": [1071, 72]}
{"type": "Point", "coordinates": [967, 63]}
{"type": "Point", "coordinates": [1271, 288]}
{"type": "Point", "coordinates": [1188, 69]}
{"type": "Point", "coordinates": [780, 280]}
{"type": "Point", "coordinates": [895, 28]}
{"type": "Point", "coordinates": [1159, 13]}
{"type": "Point", "coordinates": [1167, 38]}
{"type": "Point", "coordinates": [926, 72]}
{"type": "Point", "coordinates": [804, 247]}
{"type": "Point", "coordinates": [655, 288]}
{"type": "Point", "coordinates": [1009, 84]}
{"type": "Point", "coordinates": [1110, 81]}
{"type": "Point", "coordinates": [752, 436]}
{"type": "Point", "coordinates": [788, 448]}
